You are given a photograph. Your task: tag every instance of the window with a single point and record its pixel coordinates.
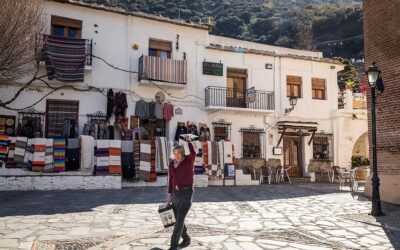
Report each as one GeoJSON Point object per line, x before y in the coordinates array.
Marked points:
{"type": "Point", "coordinates": [57, 112]}
{"type": "Point", "coordinates": [222, 131]}
{"type": "Point", "coordinates": [61, 26]}
{"type": "Point", "coordinates": [318, 88]}
{"type": "Point", "coordinates": [322, 147]}
{"type": "Point", "coordinates": [252, 142]}
{"type": "Point", "coordinates": [293, 86]}
{"type": "Point", "coordinates": [159, 48]}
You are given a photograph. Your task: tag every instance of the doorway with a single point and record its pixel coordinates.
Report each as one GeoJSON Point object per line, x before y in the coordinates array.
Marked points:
{"type": "Point", "coordinates": [292, 150]}
{"type": "Point", "coordinates": [236, 88]}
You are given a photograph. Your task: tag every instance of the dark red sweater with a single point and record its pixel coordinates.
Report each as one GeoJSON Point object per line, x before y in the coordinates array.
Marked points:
{"type": "Point", "coordinates": [182, 175]}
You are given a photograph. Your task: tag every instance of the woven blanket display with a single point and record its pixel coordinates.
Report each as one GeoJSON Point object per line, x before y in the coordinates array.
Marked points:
{"type": "Point", "coordinates": [20, 147]}
{"type": "Point", "coordinates": [145, 160]}
{"type": "Point", "coordinates": [65, 58]}
{"type": "Point", "coordinates": [212, 158]}
{"type": "Point", "coordinates": [221, 159]}
{"type": "Point", "coordinates": [59, 154]}
{"type": "Point", "coordinates": [29, 153]}
{"type": "Point", "coordinates": [198, 163]}
{"type": "Point", "coordinates": [136, 157]}
{"type": "Point", "coordinates": [39, 154]}
{"type": "Point", "coordinates": [4, 145]}
{"type": "Point", "coordinates": [127, 163]}
{"type": "Point", "coordinates": [161, 154]}
{"type": "Point", "coordinates": [49, 158]}
{"type": "Point", "coordinates": [72, 154]}
{"type": "Point", "coordinates": [102, 156]}
{"type": "Point", "coordinates": [87, 153]}
{"type": "Point", "coordinates": [153, 174]}
{"type": "Point", "coordinates": [11, 152]}
{"type": "Point", "coordinates": [115, 157]}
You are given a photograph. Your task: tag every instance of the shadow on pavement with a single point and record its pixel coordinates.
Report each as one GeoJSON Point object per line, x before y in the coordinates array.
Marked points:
{"type": "Point", "coordinates": [70, 201]}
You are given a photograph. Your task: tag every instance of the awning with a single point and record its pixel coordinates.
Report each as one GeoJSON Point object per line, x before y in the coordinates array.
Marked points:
{"type": "Point", "coordinates": [296, 128]}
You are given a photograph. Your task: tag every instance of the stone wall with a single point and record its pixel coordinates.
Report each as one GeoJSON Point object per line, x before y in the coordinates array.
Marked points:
{"type": "Point", "coordinates": [382, 36]}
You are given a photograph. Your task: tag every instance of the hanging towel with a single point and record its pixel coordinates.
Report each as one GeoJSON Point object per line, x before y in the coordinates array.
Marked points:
{"type": "Point", "coordinates": [49, 159]}
{"type": "Point", "coordinates": [65, 58]}
{"type": "Point", "coordinates": [87, 153]}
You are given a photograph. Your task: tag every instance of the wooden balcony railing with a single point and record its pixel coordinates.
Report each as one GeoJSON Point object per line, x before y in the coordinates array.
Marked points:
{"type": "Point", "coordinates": [164, 70]}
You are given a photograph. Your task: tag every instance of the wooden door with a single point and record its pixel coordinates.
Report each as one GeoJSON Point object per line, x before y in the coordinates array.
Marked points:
{"type": "Point", "coordinates": [292, 149]}
{"type": "Point", "coordinates": [235, 93]}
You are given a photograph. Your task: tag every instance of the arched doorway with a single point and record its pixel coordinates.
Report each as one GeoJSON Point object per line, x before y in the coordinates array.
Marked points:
{"type": "Point", "coordinates": [361, 151]}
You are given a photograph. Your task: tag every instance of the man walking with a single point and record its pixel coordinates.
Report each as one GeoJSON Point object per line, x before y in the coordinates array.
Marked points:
{"type": "Point", "coordinates": [180, 191]}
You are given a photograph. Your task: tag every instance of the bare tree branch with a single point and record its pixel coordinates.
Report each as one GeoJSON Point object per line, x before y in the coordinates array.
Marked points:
{"type": "Point", "coordinates": [21, 24]}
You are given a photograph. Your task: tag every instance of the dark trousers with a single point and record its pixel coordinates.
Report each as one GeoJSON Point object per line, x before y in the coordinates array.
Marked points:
{"type": "Point", "coordinates": [181, 203]}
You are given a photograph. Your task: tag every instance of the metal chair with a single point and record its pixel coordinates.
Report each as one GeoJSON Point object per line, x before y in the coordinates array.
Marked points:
{"type": "Point", "coordinates": [344, 175]}
{"type": "Point", "coordinates": [282, 171]}
{"type": "Point", "coordinates": [326, 169]}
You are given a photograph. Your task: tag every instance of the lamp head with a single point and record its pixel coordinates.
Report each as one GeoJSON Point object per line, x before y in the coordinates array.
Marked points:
{"type": "Point", "coordinates": [293, 101]}
{"type": "Point", "coordinates": [373, 74]}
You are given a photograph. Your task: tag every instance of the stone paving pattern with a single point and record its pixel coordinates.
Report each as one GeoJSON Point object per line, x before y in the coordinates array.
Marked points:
{"type": "Point", "coordinates": [297, 216]}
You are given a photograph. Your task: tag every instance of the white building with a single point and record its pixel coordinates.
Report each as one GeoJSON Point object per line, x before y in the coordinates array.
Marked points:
{"type": "Point", "coordinates": [220, 74]}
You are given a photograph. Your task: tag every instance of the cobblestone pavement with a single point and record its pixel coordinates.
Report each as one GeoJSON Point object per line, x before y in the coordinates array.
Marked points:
{"type": "Point", "coordinates": [297, 216]}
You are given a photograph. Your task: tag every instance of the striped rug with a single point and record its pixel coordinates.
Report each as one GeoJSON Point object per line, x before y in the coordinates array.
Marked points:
{"type": "Point", "coordinates": [20, 147]}
{"type": "Point", "coordinates": [49, 158]}
{"type": "Point", "coordinates": [4, 146]}
{"type": "Point", "coordinates": [145, 160]}
{"type": "Point", "coordinates": [103, 157]}
{"type": "Point", "coordinates": [115, 157]}
{"type": "Point", "coordinates": [11, 152]}
{"type": "Point", "coordinates": [65, 58]}
{"type": "Point", "coordinates": [136, 157]}
{"type": "Point", "coordinates": [59, 154]}
{"type": "Point", "coordinates": [161, 155]}
{"type": "Point", "coordinates": [39, 154]}
{"type": "Point", "coordinates": [153, 174]}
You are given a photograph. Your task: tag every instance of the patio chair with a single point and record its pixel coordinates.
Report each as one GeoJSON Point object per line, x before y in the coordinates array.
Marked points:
{"type": "Point", "coordinates": [272, 170]}
{"type": "Point", "coordinates": [344, 175]}
{"type": "Point", "coordinates": [282, 171]}
{"type": "Point", "coordinates": [326, 169]}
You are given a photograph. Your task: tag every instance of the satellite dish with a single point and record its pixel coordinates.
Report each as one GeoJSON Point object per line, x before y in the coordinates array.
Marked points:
{"type": "Point", "coordinates": [159, 96]}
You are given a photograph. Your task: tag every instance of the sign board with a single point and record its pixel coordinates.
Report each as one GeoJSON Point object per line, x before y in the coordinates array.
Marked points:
{"type": "Point", "coordinates": [215, 69]}
{"type": "Point", "coordinates": [277, 150]}
{"type": "Point", "coordinates": [178, 111]}
{"type": "Point", "coordinates": [229, 171]}
{"type": "Point", "coordinates": [251, 95]}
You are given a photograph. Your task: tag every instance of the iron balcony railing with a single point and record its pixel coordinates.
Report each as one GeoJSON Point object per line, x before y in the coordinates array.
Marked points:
{"type": "Point", "coordinates": [230, 97]}
{"type": "Point", "coordinates": [162, 69]}
{"type": "Point", "coordinates": [88, 49]}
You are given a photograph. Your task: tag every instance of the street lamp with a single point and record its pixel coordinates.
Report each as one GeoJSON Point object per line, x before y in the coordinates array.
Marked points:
{"type": "Point", "coordinates": [373, 77]}
{"type": "Point", "coordinates": [292, 102]}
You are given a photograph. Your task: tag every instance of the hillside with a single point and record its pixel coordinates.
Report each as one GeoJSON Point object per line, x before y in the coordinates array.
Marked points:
{"type": "Point", "coordinates": [331, 26]}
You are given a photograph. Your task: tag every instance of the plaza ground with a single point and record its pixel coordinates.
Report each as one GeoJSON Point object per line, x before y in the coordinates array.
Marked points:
{"type": "Point", "coordinates": [280, 216]}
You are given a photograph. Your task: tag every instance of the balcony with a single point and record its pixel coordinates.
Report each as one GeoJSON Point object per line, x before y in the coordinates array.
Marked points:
{"type": "Point", "coordinates": [235, 99]}
{"type": "Point", "coordinates": [71, 48]}
{"type": "Point", "coordinates": [169, 72]}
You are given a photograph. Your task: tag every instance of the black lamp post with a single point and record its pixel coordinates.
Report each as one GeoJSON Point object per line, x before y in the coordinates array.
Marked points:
{"type": "Point", "coordinates": [292, 102]}
{"type": "Point", "coordinates": [373, 76]}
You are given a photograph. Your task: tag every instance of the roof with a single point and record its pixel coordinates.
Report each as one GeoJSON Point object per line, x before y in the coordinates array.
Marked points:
{"type": "Point", "coordinates": [135, 14]}
{"type": "Point", "coordinates": [271, 53]}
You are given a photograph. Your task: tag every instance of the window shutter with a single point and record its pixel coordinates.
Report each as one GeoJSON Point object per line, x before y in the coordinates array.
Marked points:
{"type": "Point", "coordinates": [294, 80]}
{"type": "Point", "coordinates": [318, 83]}
{"type": "Point", "coordinates": [66, 22]}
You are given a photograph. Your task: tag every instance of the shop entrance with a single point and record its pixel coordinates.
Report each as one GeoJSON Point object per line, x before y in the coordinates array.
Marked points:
{"type": "Point", "coordinates": [292, 149]}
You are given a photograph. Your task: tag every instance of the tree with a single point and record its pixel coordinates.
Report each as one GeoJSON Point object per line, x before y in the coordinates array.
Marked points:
{"type": "Point", "coordinates": [21, 25]}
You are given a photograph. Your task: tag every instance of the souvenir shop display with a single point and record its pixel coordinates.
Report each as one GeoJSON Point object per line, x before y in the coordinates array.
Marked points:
{"type": "Point", "coordinates": [7, 125]}
{"type": "Point", "coordinates": [145, 160]}
{"type": "Point", "coordinates": [87, 153]}
{"type": "Point", "coordinates": [127, 160]}
{"type": "Point", "coordinates": [120, 103]}
{"type": "Point", "coordinates": [4, 147]}
{"type": "Point", "coordinates": [115, 157]}
{"type": "Point", "coordinates": [102, 157]}
{"type": "Point", "coordinates": [168, 111]}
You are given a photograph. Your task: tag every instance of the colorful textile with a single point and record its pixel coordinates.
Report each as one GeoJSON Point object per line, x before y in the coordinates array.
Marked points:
{"type": "Point", "coordinates": [115, 157]}
{"type": "Point", "coordinates": [103, 160]}
{"type": "Point", "coordinates": [49, 158]}
{"type": "Point", "coordinates": [11, 152]}
{"type": "Point", "coordinates": [153, 174]}
{"type": "Point", "coordinates": [145, 160]}
{"type": "Point", "coordinates": [65, 58]}
{"type": "Point", "coordinates": [39, 155]}
{"type": "Point", "coordinates": [161, 154]}
{"type": "Point", "coordinates": [136, 157]}
{"type": "Point", "coordinates": [87, 153]}
{"type": "Point", "coordinates": [212, 158]}
{"type": "Point", "coordinates": [4, 145]}
{"type": "Point", "coordinates": [198, 163]}
{"type": "Point", "coordinates": [20, 147]}
{"type": "Point", "coordinates": [29, 153]}
{"type": "Point", "coordinates": [59, 154]}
